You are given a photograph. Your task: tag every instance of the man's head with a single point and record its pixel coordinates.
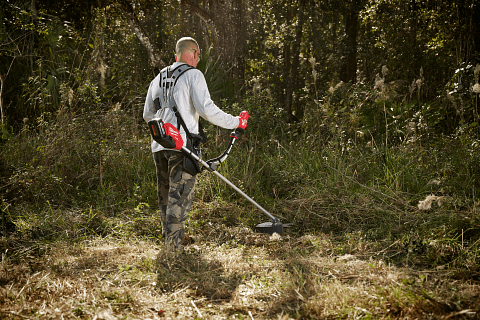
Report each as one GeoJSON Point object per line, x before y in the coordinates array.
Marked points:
{"type": "Point", "coordinates": [187, 51]}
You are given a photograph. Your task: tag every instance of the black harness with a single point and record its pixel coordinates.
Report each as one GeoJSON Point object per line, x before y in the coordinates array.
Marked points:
{"type": "Point", "coordinates": [168, 80]}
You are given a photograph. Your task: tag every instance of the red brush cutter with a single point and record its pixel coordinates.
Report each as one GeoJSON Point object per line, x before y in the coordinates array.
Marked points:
{"type": "Point", "coordinates": [159, 134]}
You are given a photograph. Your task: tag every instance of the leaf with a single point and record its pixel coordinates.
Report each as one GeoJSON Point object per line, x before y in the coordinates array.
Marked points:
{"type": "Point", "coordinates": [216, 75]}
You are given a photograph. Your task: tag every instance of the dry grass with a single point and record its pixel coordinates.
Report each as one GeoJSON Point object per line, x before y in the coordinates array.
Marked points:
{"type": "Point", "coordinates": [226, 273]}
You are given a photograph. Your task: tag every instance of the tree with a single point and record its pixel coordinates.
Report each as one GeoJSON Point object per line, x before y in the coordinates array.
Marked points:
{"type": "Point", "coordinates": [226, 22]}
{"type": "Point", "coordinates": [292, 70]}
{"type": "Point", "coordinates": [348, 69]}
{"type": "Point", "coordinates": [32, 51]}
{"type": "Point", "coordinates": [154, 53]}
{"type": "Point", "coordinates": [476, 31]}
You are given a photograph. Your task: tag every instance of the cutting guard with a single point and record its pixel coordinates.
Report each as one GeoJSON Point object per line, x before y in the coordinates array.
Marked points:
{"type": "Point", "coordinates": [272, 227]}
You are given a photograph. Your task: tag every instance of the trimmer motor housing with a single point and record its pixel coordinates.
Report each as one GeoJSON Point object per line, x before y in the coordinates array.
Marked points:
{"type": "Point", "coordinates": [157, 129]}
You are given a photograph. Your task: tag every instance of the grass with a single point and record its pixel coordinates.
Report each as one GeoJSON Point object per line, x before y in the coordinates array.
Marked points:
{"type": "Point", "coordinates": [80, 232]}
{"type": "Point", "coordinates": [227, 272]}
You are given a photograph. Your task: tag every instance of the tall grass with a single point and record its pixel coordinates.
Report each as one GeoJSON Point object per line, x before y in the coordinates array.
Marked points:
{"type": "Point", "coordinates": [95, 158]}
{"type": "Point", "coordinates": [75, 175]}
{"type": "Point", "coordinates": [327, 178]}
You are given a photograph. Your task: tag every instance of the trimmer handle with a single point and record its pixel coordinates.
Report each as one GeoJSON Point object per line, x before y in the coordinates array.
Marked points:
{"type": "Point", "coordinates": [237, 133]}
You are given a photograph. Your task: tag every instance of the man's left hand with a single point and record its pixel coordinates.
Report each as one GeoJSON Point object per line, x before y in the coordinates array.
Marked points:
{"type": "Point", "coordinates": [243, 120]}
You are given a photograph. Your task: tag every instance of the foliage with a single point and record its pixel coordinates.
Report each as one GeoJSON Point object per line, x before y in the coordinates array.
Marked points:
{"type": "Point", "coordinates": [384, 169]}
{"type": "Point", "coordinates": [75, 161]}
{"type": "Point", "coordinates": [35, 60]}
{"type": "Point", "coordinates": [216, 76]}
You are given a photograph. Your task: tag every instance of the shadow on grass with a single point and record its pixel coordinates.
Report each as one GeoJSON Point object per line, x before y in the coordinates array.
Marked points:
{"type": "Point", "coordinates": [204, 278]}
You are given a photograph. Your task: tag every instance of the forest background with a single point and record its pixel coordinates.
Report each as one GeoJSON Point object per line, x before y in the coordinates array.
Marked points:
{"type": "Point", "coordinates": [364, 133]}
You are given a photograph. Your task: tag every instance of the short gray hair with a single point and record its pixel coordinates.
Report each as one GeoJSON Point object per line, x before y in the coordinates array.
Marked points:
{"type": "Point", "coordinates": [182, 44]}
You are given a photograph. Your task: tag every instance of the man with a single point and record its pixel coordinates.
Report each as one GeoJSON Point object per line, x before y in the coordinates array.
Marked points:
{"type": "Point", "coordinates": [187, 90]}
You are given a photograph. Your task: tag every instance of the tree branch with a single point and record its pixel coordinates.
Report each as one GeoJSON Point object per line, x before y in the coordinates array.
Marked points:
{"type": "Point", "coordinates": [154, 54]}
{"type": "Point", "coordinates": [202, 14]}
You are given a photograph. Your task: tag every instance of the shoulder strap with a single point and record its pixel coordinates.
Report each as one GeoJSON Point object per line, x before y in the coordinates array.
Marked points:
{"type": "Point", "coordinates": [178, 71]}
{"type": "Point", "coordinates": [168, 80]}
{"type": "Point", "coordinates": [180, 121]}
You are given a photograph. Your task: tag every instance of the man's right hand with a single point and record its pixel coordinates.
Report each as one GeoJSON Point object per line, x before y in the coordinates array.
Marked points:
{"type": "Point", "coordinates": [243, 120]}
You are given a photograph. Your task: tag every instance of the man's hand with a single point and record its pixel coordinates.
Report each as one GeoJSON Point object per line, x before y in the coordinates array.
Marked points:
{"type": "Point", "coordinates": [243, 120]}
{"type": "Point", "coordinates": [172, 132]}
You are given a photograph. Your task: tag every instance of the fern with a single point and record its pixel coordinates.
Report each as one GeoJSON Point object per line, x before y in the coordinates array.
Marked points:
{"type": "Point", "coordinates": [216, 75]}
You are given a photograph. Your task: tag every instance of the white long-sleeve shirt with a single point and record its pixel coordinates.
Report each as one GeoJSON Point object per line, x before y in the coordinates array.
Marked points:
{"type": "Point", "coordinates": [193, 101]}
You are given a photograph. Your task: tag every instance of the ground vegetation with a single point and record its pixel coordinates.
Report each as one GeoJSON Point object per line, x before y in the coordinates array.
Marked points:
{"type": "Point", "coordinates": [363, 133]}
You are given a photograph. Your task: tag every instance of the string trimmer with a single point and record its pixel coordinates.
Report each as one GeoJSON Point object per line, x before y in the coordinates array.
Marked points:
{"type": "Point", "coordinates": [157, 129]}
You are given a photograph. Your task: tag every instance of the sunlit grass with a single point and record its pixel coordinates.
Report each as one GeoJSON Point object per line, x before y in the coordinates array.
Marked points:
{"type": "Point", "coordinates": [81, 232]}
{"type": "Point", "coordinates": [228, 272]}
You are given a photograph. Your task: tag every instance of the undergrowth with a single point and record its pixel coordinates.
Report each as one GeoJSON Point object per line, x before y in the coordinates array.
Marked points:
{"type": "Point", "coordinates": [98, 164]}
{"type": "Point", "coordinates": [74, 178]}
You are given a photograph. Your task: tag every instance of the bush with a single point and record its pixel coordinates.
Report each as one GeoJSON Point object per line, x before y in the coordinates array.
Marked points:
{"type": "Point", "coordinates": [94, 158]}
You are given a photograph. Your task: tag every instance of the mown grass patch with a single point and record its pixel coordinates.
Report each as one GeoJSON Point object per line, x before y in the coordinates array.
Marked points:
{"type": "Point", "coordinates": [227, 272]}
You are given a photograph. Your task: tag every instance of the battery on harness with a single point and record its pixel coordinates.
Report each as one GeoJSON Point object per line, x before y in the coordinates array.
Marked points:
{"type": "Point", "coordinates": [157, 130]}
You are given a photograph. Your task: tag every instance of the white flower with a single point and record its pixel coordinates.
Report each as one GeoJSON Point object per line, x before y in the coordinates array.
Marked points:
{"type": "Point", "coordinates": [476, 71]}
{"type": "Point", "coordinates": [379, 84]}
{"type": "Point", "coordinates": [384, 71]}
{"type": "Point", "coordinates": [312, 61]}
{"type": "Point", "coordinates": [476, 88]}
{"type": "Point", "coordinates": [339, 85]}
{"type": "Point", "coordinates": [427, 203]}
{"type": "Point", "coordinates": [412, 87]}
{"type": "Point", "coordinates": [419, 83]}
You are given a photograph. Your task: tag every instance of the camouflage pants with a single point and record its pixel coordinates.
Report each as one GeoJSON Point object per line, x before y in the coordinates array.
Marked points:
{"type": "Point", "coordinates": [175, 195]}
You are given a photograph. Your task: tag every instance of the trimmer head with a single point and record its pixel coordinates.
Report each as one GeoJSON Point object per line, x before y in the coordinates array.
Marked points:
{"type": "Point", "coordinates": [271, 227]}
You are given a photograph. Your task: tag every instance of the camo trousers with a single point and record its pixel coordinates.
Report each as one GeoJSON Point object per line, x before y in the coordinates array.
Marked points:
{"type": "Point", "coordinates": [175, 195]}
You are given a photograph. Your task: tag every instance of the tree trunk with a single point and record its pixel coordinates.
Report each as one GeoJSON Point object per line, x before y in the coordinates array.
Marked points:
{"type": "Point", "coordinates": [299, 108]}
{"type": "Point", "coordinates": [2, 81]}
{"type": "Point", "coordinates": [292, 80]}
{"type": "Point", "coordinates": [239, 34]}
{"type": "Point", "coordinates": [348, 69]}
{"type": "Point", "coordinates": [476, 32]}
{"type": "Point", "coordinates": [416, 63]}
{"type": "Point", "coordinates": [287, 56]}
{"type": "Point", "coordinates": [204, 15]}
{"type": "Point", "coordinates": [155, 56]}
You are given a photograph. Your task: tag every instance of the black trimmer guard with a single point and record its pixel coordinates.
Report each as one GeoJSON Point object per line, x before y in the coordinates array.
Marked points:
{"type": "Point", "coordinates": [272, 227]}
